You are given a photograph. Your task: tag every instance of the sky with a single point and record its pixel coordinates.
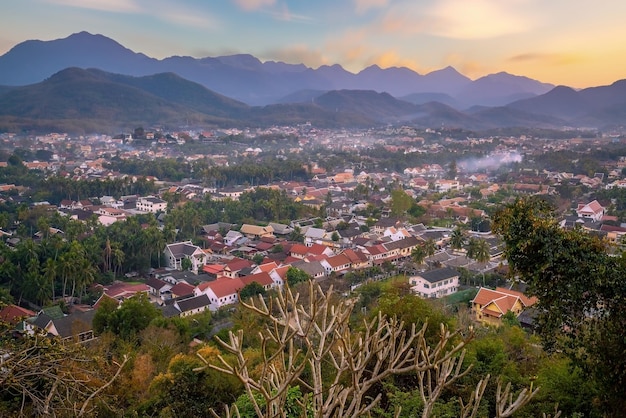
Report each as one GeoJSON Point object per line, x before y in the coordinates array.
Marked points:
{"type": "Point", "coordinates": [570, 42]}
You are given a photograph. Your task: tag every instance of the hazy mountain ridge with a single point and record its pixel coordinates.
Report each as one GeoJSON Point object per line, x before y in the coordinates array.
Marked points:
{"type": "Point", "coordinates": [243, 76]}
{"type": "Point", "coordinates": [78, 100]}
{"type": "Point", "coordinates": [102, 99]}
{"type": "Point", "coordinates": [593, 106]}
{"type": "Point", "coordinates": [86, 100]}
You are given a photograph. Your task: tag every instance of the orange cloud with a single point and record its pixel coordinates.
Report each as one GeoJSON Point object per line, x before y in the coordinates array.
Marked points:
{"type": "Point", "coordinates": [297, 54]}
{"type": "Point", "coordinates": [388, 59]}
{"type": "Point", "coordinates": [470, 68]}
{"type": "Point", "coordinates": [459, 19]}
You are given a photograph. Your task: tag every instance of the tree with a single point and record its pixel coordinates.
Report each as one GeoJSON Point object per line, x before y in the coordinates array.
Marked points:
{"type": "Point", "coordinates": [295, 275]}
{"type": "Point", "coordinates": [44, 376]}
{"type": "Point", "coordinates": [296, 235]}
{"type": "Point", "coordinates": [580, 292]}
{"type": "Point", "coordinates": [401, 202]}
{"type": "Point", "coordinates": [251, 290]}
{"type": "Point", "coordinates": [452, 170]}
{"type": "Point", "coordinates": [418, 254]}
{"type": "Point", "coordinates": [478, 249]}
{"type": "Point", "coordinates": [133, 315]}
{"type": "Point", "coordinates": [337, 367]}
{"type": "Point", "coordinates": [457, 239]}
{"type": "Point", "coordinates": [186, 264]}
{"type": "Point", "coordinates": [430, 247]}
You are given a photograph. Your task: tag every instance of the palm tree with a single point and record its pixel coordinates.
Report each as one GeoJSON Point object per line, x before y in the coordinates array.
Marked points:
{"type": "Point", "coordinates": [50, 273]}
{"type": "Point", "coordinates": [418, 254]}
{"type": "Point", "coordinates": [118, 256]}
{"type": "Point", "coordinates": [457, 239]}
{"type": "Point", "coordinates": [430, 248]}
{"type": "Point", "coordinates": [478, 250]}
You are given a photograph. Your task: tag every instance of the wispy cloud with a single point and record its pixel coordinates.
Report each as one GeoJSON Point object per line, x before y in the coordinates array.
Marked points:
{"type": "Point", "coordinates": [285, 15]}
{"type": "Point", "coordinates": [363, 6]}
{"type": "Point", "coordinates": [162, 10]}
{"type": "Point", "coordinates": [460, 19]}
{"type": "Point", "coordinates": [295, 54]}
{"type": "Point", "coordinates": [251, 5]}
{"type": "Point", "coordinates": [545, 58]}
{"type": "Point", "coordinates": [114, 6]}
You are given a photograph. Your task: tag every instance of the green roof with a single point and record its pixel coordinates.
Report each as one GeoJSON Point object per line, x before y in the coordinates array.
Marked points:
{"type": "Point", "coordinates": [53, 312]}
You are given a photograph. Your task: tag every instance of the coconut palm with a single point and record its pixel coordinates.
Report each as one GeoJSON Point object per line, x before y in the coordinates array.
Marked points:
{"type": "Point", "coordinates": [478, 250]}
{"type": "Point", "coordinates": [457, 239]}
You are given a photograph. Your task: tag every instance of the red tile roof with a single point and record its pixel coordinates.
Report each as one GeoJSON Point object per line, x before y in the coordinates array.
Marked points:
{"type": "Point", "coordinates": [13, 313]}
{"type": "Point", "coordinates": [262, 278]}
{"type": "Point", "coordinates": [225, 286]}
{"type": "Point", "coordinates": [182, 289]}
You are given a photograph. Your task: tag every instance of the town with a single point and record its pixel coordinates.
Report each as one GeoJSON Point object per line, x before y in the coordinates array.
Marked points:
{"type": "Point", "coordinates": [363, 223]}
{"type": "Point", "coordinates": [194, 222]}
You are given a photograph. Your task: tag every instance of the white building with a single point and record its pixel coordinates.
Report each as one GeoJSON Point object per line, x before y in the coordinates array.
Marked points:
{"type": "Point", "coordinates": [175, 253]}
{"type": "Point", "coordinates": [435, 283]}
{"type": "Point", "coordinates": [151, 204]}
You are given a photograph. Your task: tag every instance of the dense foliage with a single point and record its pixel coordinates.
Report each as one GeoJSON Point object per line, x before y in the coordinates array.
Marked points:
{"type": "Point", "coordinates": [581, 293]}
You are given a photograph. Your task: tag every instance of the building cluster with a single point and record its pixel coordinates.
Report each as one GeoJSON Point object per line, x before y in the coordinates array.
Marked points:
{"type": "Point", "coordinates": [210, 276]}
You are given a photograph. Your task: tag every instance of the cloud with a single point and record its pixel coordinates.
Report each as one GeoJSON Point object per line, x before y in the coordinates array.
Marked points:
{"type": "Point", "coordinates": [296, 54]}
{"type": "Point", "coordinates": [251, 5]}
{"type": "Point", "coordinates": [363, 6]}
{"type": "Point", "coordinates": [545, 58]}
{"type": "Point", "coordinates": [285, 15]}
{"type": "Point", "coordinates": [163, 10]}
{"type": "Point", "coordinates": [181, 16]}
{"type": "Point", "coordinates": [115, 6]}
{"type": "Point", "coordinates": [466, 66]}
{"type": "Point", "coordinates": [390, 58]}
{"type": "Point", "coordinates": [460, 19]}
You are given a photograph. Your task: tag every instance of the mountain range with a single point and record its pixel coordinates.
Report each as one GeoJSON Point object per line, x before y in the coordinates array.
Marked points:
{"type": "Point", "coordinates": [87, 83]}
{"type": "Point", "coordinates": [247, 79]}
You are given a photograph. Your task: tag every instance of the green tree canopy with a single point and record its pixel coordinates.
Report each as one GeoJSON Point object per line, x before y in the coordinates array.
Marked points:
{"type": "Point", "coordinates": [132, 316]}
{"type": "Point", "coordinates": [580, 290]}
{"type": "Point", "coordinates": [296, 275]}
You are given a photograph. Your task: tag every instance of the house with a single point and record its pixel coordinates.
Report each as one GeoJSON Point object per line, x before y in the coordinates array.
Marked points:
{"type": "Point", "coordinates": [358, 259]}
{"type": "Point", "coordinates": [177, 252]}
{"type": "Point", "coordinates": [151, 204]}
{"type": "Point", "coordinates": [314, 269]}
{"type": "Point", "coordinates": [263, 278]}
{"type": "Point", "coordinates": [489, 306]}
{"type": "Point", "coordinates": [181, 290]}
{"type": "Point", "coordinates": [77, 326]}
{"type": "Point", "coordinates": [232, 237]}
{"type": "Point", "coordinates": [256, 231]}
{"type": "Point", "coordinates": [121, 291]}
{"type": "Point", "coordinates": [592, 210]}
{"type": "Point", "coordinates": [193, 305]}
{"type": "Point", "coordinates": [443, 185]}
{"type": "Point", "coordinates": [221, 292]}
{"type": "Point", "coordinates": [338, 264]}
{"type": "Point", "coordinates": [13, 314]}
{"type": "Point", "coordinates": [234, 266]}
{"type": "Point", "coordinates": [435, 283]}
{"type": "Point", "coordinates": [158, 287]}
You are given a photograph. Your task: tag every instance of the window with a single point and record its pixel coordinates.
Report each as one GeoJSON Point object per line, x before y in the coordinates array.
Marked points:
{"type": "Point", "coordinates": [426, 286]}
